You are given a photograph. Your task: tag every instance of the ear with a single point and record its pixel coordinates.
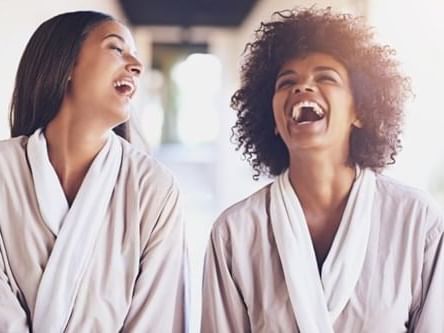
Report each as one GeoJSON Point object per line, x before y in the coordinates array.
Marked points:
{"type": "Point", "coordinates": [357, 123]}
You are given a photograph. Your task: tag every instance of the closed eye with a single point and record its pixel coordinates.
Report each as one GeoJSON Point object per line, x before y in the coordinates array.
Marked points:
{"type": "Point", "coordinates": [116, 48]}
{"type": "Point", "coordinates": [326, 78]}
{"type": "Point", "coordinates": [285, 83]}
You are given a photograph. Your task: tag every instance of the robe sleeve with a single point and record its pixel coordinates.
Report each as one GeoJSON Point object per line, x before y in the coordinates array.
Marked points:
{"type": "Point", "coordinates": [429, 315]}
{"type": "Point", "coordinates": [160, 299]}
{"type": "Point", "coordinates": [12, 316]}
{"type": "Point", "coordinates": [223, 309]}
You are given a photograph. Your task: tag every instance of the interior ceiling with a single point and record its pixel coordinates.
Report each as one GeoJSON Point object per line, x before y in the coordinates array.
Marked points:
{"type": "Point", "coordinates": [187, 13]}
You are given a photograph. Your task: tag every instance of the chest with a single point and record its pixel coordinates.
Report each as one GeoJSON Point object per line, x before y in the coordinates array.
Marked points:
{"type": "Point", "coordinates": [108, 283]}
{"type": "Point", "coordinates": [322, 230]}
{"type": "Point", "coordinates": [380, 302]}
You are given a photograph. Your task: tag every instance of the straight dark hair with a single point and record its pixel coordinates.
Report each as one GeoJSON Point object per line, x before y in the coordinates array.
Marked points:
{"type": "Point", "coordinates": [44, 69]}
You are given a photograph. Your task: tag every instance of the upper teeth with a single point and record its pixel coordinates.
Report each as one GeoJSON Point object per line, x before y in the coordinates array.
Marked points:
{"type": "Point", "coordinates": [123, 82]}
{"type": "Point", "coordinates": [297, 108]}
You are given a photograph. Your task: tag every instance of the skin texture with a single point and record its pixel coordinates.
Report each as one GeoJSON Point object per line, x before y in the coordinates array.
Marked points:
{"type": "Point", "coordinates": [320, 168]}
{"type": "Point", "coordinates": [92, 106]}
{"type": "Point", "coordinates": [318, 78]}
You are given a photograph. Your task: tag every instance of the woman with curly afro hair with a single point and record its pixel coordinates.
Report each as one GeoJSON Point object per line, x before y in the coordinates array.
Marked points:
{"type": "Point", "coordinates": [331, 245]}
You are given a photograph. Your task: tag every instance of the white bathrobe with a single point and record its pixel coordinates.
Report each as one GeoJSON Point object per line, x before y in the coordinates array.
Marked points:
{"type": "Point", "coordinates": [383, 273]}
{"type": "Point", "coordinates": [113, 261]}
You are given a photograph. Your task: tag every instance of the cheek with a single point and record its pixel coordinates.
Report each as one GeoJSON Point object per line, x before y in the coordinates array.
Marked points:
{"type": "Point", "coordinates": [347, 97]}
{"type": "Point", "coordinates": [353, 116]}
{"type": "Point", "coordinates": [86, 86]}
{"type": "Point", "coordinates": [344, 105]}
{"type": "Point", "coordinates": [278, 109]}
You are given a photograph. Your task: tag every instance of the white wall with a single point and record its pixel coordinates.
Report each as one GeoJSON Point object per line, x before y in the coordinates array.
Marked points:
{"type": "Point", "coordinates": [416, 33]}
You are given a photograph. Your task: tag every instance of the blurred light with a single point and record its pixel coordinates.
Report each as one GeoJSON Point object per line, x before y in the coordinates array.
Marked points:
{"type": "Point", "coordinates": [198, 79]}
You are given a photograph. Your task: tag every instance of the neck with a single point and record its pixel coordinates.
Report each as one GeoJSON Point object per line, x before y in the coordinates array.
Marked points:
{"type": "Point", "coordinates": [322, 182]}
{"type": "Point", "coordinates": [322, 185]}
{"type": "Point", "coordinates": [72, 146]}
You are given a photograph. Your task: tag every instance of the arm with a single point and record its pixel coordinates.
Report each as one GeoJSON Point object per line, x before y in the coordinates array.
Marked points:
{"type": "Point", "coordinates": [12, 316]}
{"type": "Point", "coordinates": [223, 309]}
{"type": "Point", "coordinates": [159, 302]}
{"type": "Point", "coordinates": [429, 315]}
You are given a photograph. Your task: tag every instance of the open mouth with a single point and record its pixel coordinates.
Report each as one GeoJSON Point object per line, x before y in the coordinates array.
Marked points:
{"type": "Point", "coordinates": [307, 112]}
{"type": "Point", "coordinates": [125, 87]}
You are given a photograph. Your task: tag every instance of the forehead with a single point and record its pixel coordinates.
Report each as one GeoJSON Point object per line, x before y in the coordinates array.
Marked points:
{"type": "Point", "coordinates": [314, 60]}
{"type": "Point", "coordinates": [111, 27]}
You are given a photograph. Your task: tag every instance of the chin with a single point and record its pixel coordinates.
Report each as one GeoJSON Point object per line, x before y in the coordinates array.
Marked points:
{"type": "Point", "coordinates": [120, 115]}
{"type": "Point", "coordinates": [307, 143]}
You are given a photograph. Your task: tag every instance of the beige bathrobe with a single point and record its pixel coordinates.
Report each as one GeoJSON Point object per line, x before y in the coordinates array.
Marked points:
{"type": "Point", "coordinates": [384, 271]}
{"type": "Point", "coordinates": [114, 261]}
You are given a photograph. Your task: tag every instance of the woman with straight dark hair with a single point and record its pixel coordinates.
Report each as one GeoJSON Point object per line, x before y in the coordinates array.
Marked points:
{"type": "Point", "coordinates": [91, 230]}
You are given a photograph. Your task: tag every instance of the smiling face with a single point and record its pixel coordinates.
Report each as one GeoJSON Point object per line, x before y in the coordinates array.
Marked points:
{"type": "Point", "coordinates": [105, 76]}
{"type": "Point", "coordinates": [313, 105]}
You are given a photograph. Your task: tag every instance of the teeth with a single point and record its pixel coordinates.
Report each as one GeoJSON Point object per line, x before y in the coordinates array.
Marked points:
{"type": "Point", "coordinates": [296, 111]}
{"type": "Point", "coordinates": [125, 82]}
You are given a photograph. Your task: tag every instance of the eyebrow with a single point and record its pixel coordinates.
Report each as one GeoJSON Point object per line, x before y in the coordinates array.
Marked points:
{"type": "Point", "coordinates": [286, 72]}
{"type": "Point", "coordinates": [316, 69]}
{"type": "Point", "coordinates": [116, 36]}
{"type": "Point", "coordinates": [326, 68]}
{"type": "Point", "coordinates": [120, 38]}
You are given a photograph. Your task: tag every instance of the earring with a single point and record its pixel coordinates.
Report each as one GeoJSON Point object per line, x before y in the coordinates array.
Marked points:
{"type": "Point", "coordinates": [276, 132]}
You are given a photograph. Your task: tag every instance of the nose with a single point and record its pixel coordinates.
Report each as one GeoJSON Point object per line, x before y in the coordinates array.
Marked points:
{"type": "Point", "coordinates": [134, 66]}
{"type": "Point", "coordinates": [303, 87]}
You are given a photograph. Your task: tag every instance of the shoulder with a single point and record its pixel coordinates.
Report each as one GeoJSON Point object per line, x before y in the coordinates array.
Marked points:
{"type": "Point", "coordinates": [405, 195]}
{"type": "Point", "coordinates": [12, 152]}
{"type": "Point", "coordinates": [412, 202]}
{"type": "Point", "coordinates": [11, 146]}
{"type": "Point", "coordinates": [144, 169]}
{"type": "Point", "coordinates": [245, 216]}
{"type": "Point", "coordinates": [395, 189]}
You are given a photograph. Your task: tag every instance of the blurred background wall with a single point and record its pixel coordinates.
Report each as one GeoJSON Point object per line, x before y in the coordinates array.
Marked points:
{"type": "Point", "coordinates": [182, 113]}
